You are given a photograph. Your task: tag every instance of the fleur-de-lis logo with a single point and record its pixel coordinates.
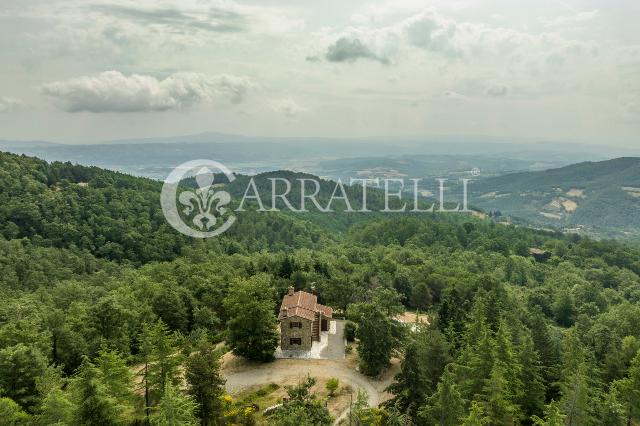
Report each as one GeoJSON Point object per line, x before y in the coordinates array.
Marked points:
{"type": "Point", "coordinates": [203, 199]}
{"type": "Point", "coordinates": [203, 207]}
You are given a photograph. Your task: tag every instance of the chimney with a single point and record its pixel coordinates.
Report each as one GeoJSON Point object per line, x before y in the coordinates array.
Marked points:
{"type": "Point", "coordinates": [291, 289]}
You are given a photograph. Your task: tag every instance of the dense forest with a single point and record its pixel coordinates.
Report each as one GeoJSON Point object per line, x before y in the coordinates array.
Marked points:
{"type": "Point", "coordinates": [110, 317]}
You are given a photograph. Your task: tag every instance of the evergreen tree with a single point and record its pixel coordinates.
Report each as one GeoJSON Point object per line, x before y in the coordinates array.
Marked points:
{"type": "Point", "coordinates": [160, 359]}
{"type": "Point", "coordinates": [628, 392]}
{"type": "Point", "coordinates": [56, 409]}
{"type": "Point", "coordinates": [531, 400]}
{"type": "Point", "coordinates": [549, 355]}
{"type": "Point", "coordinates": [117, 379]}
{"type": "Point", "coordinates": [476, 416]}
{"type": "Point", "coordinates": [174, 409]}
{"type": "Point", "coordinates": [475, 363]}
{"type": "Point", "coordinates": [496, 400]}
{"type": "Point", "coordinates": [95, 407]}
{"type": "Point", "coordinates": [576, 401]}
{"type": "Point", "coordinates": [553, 416]}
{"type": "Point", "coordinates": [409, 387]}
{"type": "Point", "coordinates": [446, 406]}
{"type": "Point", "coordinates": [205, 385]}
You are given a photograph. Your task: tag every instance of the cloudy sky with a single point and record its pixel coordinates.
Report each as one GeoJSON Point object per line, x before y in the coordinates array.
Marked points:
{"type": "Point", "coordinates": [85, 70]}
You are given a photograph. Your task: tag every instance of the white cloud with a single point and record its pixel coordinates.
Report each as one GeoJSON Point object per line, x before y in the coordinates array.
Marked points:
{"type": "Point", "coordinates": [429, 31]}
{"type": "Point", "coordinates": [347, 49]}
{"type": "Point", "coordinates": [561, 21]}
{"type": "Point", "coordinates": [10, 104]}
{"type": "Point", "coordinates": [287, 107]}
{"type": "Point", "coordinates": [112, 91]}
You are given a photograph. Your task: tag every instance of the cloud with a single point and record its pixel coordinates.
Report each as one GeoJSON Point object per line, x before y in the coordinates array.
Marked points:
{"type": "Point", "coordinates": [112, 91]}
{"type": "Point", "coordinates": [351, 49]}
{"type": "Point", "coordinates": [429, 31]}
{"type": "Point", "coordinates": [288, 107]}
{"type": "Point", "coordinates": [563, 21]}
{"type": "Point", "coordinates": [215, 19]}
{"type": "Point", "coordinates": [498, 90]}
{"type": "Point", "coordinates": [10, 104]}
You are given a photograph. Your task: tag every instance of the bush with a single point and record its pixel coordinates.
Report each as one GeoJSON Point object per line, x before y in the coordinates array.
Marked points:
{"type": "Point", "coordinates": [332, 385]}
{"type": "Point", "coordinates": [350, 328]}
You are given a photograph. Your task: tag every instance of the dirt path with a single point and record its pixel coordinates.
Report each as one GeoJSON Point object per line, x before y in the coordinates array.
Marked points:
{"type": "Point", "coordinates": [284, 370]}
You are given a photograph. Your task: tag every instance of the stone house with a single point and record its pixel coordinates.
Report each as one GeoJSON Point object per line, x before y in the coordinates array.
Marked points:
{"type": "Point", "coordinates": [302, 319]}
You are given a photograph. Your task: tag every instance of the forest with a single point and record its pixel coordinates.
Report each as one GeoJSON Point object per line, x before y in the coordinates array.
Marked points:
{"type": "Point", "coordinates": [110, 317]}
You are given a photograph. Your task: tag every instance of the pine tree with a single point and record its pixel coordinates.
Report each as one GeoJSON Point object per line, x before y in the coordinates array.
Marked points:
{"type": "Point", "coordinates": [575, 387]}
{"type": "Point", "coordinates": [205, 385]}
{"type": "Point", "coordinates": [446, 406]}
{"type": "Point", "coordinates": [496, 399]}
{"type": "Point", "coordinates": [549, 355]}
{"type": "Point", "coordinates": [96, 407]}
{"type": "Point", "coordinates": [628, 391]}
{"type": "Point", "coordinates": [56, 409]}
{"type": "Point", "coordinates": [532, 399]}
{"type": "Point", "coordinates": [507, 360]}
{"type": "Point", "coordinates": [426, 357]}
{"type": "Point", "coordinates": [117, 379]}
{"type": "Point", "coordinates": [475, 364]}
{"type": "Point", "coordinates": [161, 360]}
{"type": "Point", "coordinates": [476, 416]}
{"type": "Point", "coordinates": [409, 387]}
{"type": "Point", "coordinates": [175, 409]}
{"type": "Point", "coordinates": [553, 416]}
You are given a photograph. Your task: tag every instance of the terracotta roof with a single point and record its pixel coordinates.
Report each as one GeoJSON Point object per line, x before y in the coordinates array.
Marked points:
{"type": "Point", "coordinates": [304, 305]}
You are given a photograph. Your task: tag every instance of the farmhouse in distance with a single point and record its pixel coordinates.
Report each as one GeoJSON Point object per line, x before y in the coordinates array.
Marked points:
{"type": "Point", "coordinates": [302, 319]}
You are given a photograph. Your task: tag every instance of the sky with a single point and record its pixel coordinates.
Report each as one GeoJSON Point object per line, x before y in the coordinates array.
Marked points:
{"type": "Point", "coordinates": [86, 71]}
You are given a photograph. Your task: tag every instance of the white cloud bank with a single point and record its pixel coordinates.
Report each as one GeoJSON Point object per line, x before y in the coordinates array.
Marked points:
{"type": "Point", "coordinates": [112, 91]}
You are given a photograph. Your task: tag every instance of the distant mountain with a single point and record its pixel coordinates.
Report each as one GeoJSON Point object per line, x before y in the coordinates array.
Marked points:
{"type": "Point", "coordinates": [330, 157]}
{"type": "Point", "coordinates": [17, 145]}
{"type": "Point", "coordinates": [601, 198]}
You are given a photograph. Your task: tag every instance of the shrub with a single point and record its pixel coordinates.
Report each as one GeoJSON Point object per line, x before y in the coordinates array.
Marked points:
{"type": "Point", "coordinates": [332, 385]}
{"type": "Point", "coordinates": [350, 331]}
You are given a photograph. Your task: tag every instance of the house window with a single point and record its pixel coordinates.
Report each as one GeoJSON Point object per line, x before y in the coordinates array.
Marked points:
{"type": "Point", "coordinates": [295, 325]}
{"type": "Point", "coordinates": [295, 341]}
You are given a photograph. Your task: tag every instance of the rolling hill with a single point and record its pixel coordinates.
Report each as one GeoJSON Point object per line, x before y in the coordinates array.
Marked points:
{"type": "Point", "coordinates": [599, 198]}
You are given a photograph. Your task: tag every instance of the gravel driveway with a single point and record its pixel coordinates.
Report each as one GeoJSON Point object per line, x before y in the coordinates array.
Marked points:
{"type": "Point", "coordinates": [282, 370]}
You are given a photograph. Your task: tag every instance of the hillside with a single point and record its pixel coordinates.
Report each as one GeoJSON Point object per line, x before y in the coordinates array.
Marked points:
{"type": "Point", "coordinates": [95, 286]}
{"type": "Point", "coordinates": [600, 198]}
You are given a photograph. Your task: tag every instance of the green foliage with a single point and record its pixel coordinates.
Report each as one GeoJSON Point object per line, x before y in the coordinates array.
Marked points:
{"type": "Point", "coordinates": [12, 414]}
{"type": "Point", "coordinates": [252, 325]}
{"type": "Point", "coordinates": [20, 366]}
{"type": "Point", "coordinates": [174, 409]}
{"type": "Point", "coordinates": [350, 329]}
{"type": "Point", "coordinates": [303, 408]}
{"type": "Point", "coordinates": [332, 386]}
{"type": "Point", "coordinates": [96, 406]}
{"type": "Point", "coordinates": [446, 406]}
{"type": "Point", "coordinates": [95, 285]}
{"type": "Point", "coordinates": [205, 385]}
{"type": "Point", "coordinates": [379, 337]}
{"type": "Point", "coordinates": [425, 359]}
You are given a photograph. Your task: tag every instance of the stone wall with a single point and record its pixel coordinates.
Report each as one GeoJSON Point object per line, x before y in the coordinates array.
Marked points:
{"type": "Point", "coordinates": [304, 333]}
